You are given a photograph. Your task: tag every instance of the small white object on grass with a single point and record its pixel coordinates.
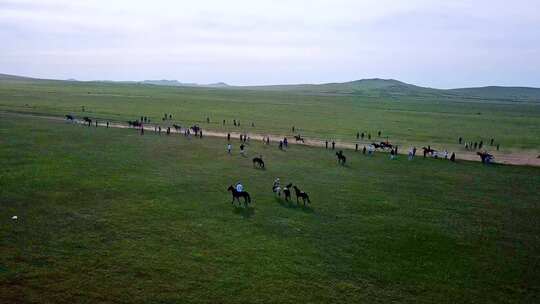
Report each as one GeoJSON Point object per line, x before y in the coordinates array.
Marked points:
{"type": "Point", "coordinates": [14, 217]}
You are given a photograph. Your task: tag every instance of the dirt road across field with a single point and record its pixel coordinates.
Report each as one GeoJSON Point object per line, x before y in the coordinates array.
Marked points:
{"type": "Point", "coordinates": [520, 158]}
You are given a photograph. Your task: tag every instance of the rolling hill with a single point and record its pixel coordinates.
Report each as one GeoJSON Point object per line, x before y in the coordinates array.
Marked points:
{"type": "Point", "coordinates": [375, 87]}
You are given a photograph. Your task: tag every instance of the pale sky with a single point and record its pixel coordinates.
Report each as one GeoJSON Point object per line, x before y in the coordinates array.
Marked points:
{"type": "Point", "coordinates": [443, 44]}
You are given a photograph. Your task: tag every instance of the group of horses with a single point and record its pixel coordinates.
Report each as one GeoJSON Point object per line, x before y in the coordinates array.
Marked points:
{"type": "Point", "coordinates": [236, 196]}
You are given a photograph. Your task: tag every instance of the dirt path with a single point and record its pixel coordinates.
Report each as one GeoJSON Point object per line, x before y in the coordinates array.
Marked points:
{"type": "Point", "coordinates": [520, 158]}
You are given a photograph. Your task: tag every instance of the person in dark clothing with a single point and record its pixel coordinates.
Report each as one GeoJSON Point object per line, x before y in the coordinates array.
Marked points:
{"type": "Point", "coordinates": [480, 145]}
{"type": "Point", "coordinates": [107, 124]}
{"type": "Point", "coordinates": [228, 136]}
{"type": "Point", "coordinates": [460, 140]}
{"type": "Point", "coordinates": [379, 133]}
{"type": "Point", "coordinates": [333, 145]}
{"type": "Point", "coordinates": [453, 157]}
{"type": "Point", "coordinates": [326, 144]}
{"type": "Point", "coordinates": [224, 122]}
{"type": "Point", "coordinates": [364, 150]}
{"type": "Point", "coordinates": [285, 142]}
{"type": "Point", "coordinates": [498, 147]}
{"type": "Point", "coordinates": [369, 136]}
{"type": "Point", "coordinates": [362, 136]}
{"type": "Point", "coordinates": [356, 147]}
{"type": "Point", "coordinates": [159, 130]}
{"type": "Point", "coordinates": [414, 151]}
{"type": "Point", "coordinates": [293, 128]}
{"type": "Point", "coordinates": [491, 142]}
{"type": "Point", "coordinates": [357, 135]}
{"type": "Point", "coordinates": [168, 130]}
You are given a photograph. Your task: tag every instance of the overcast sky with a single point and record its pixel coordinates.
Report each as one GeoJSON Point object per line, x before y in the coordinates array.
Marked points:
{"type": "Point", "coordinates": [434, 43]}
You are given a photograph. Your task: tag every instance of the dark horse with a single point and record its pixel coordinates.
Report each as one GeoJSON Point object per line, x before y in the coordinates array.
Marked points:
{"type": "Point", "coordinates": [485, 157]}
{"type": "Point", "coordinates": [258, 161]}
{"type": "Point", "coordinates": [134, 123]}
{"type": "Point", "coordinates": [299, 138]}
{"type": "Point", "coordinates": [301, 194]}
{"type": "Point", "coordinates": [87, 120]}
{"type": "Point", "coordinates": [177, 127]}
{"type": "Point", "coordinates": [69, 117]}
{"type": "Point", "coordinates": [287, 192]}
{"type": "Point", "coordinates": [341, 158]}
{"type": "Point", "coordinates": [237, 195]}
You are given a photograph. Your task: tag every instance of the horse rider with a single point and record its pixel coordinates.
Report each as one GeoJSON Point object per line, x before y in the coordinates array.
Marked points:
{"type": "Point", "coordinates": [276, 184]}
{"type": "Point", "coordinates": [239, 187]}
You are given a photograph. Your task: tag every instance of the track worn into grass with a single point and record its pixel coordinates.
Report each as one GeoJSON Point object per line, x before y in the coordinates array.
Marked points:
{"type": "Point", "coordinates": [519, 158]}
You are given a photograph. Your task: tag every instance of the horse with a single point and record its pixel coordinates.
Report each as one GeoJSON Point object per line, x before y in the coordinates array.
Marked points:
{"type": "Point", "coordinates": [485, 157]}
{"type": "Point", "coordinates": [429, 150]}
{"type": "Point", "coordinates": [177, 127]}
{"type": "Point", "coordinates": [258, 161]}
{"type": "Point", "coordinates": [134, 123]}
{"type": "Point", "coordinates": [341, 158]}
{"type": "Point", "coordinates": [287, 192]}
{"type": "Point", "coordinates": [195, 129]}
{"type": "Point", "coordinates": [299, 138]}
{"type": "Point", "coordinates": [86, 119]}
{"type": "Point", "coordinates": [69, 117]}
{"type": "Point", "coordinates": [301, 194]}
{"type": "Point", "coordinates": [237, 195]}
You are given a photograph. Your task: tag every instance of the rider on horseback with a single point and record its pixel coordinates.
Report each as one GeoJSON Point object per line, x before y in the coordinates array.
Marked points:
{"type": "Point", "coordinates": [276, 184]}
{"type": "Point", "coordinates": [239, 187]}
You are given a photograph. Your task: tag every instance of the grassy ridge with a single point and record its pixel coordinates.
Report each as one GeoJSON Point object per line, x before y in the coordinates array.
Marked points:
{"type": "Point", "coordinates": [433, 120]}
{"type": "Point", "coordinates": [107, 215]}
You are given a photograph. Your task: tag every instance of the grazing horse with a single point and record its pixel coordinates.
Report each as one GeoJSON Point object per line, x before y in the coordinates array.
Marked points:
{"type": "Point", "coordinates": [341, 158]}
{"type": "Point", "coordinates": [299, 138]}
{"type": "Point", "coordinates": [301, 194]}
{"type": "Point", "coordinates": [287, 192]}
{"type": "Point", "coordinates": [177, 127]}
{"type": "Point", "coordinates": [87, 120]}
{"type": "Point", "coordinates": [258, 161]}
{"type": "Point", "coordinates": [69, 117]}
{"type": "Point", "coordinates": [237, 195]}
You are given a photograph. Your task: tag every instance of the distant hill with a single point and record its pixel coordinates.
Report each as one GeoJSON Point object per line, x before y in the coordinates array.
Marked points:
{"type": "Point", "coordinates": [182, 84]}
{"type": "Point", "coordinates": [387, 88]}
{"type": "Point", "coordinates": [393, 88]}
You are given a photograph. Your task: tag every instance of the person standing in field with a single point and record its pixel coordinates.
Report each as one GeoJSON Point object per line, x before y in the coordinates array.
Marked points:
{"type": "Point", "coordinates": [453, 157]}
{"type": "Point", "coordinates": [228, 136]}
{"type": "Point", "coordinates": [410, 155]}
{"type": "Point", "coordinates": [229, 148]}
{"type": "Point", "coordinates": [333, 145]}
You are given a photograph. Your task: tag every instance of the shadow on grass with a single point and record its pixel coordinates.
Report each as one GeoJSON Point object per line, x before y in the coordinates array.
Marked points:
{"type": "Point", "coordinates": [245, 212]}
{"type": "Point", "coordinates": [294, 206]}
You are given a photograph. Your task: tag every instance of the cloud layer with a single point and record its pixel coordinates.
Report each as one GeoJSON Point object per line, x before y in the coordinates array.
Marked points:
{"type": "Point", "coordinates": [434, 43]}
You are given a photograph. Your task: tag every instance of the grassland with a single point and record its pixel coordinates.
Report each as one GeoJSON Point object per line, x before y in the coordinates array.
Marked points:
{"type": "Point", "coordinates": [432, 119]}
{"type": "Point", "coordinates": [106, 215]}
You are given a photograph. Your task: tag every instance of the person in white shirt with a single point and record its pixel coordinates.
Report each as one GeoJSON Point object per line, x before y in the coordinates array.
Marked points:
{"type": "Point", "coordinates": [229, 148]}
{"type": "Point", "coordinates": [239, 187]}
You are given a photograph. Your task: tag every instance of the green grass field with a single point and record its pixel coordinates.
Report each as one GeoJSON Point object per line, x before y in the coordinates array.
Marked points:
{"type": "Point", "coordinates": [106, 215]}
{"type": "Point", "coordinates": [432, 119]}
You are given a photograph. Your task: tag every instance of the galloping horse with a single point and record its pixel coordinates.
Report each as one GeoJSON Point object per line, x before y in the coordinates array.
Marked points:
{"type": "Point", "coordinates": [341, 158]}
{"type": "Point", "coordinates": [237, 195]}
{"type": "Point", "coordinates": [485, 157]}
{"type": "Point", "coordinates": [258, 161]}
{"type": "Point", "coordinates": [301, 194]}
{"type": "Point", "coordinates": [299, 138]}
